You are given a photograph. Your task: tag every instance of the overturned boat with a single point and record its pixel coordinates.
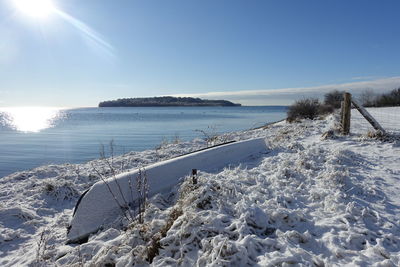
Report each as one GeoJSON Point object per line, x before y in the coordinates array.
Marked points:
{"type": "Point", "coordinates": [99, 205]}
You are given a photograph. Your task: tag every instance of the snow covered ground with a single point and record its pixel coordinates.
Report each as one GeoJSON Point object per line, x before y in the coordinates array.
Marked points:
{"type": "Point", "coordinates": [316, 199]}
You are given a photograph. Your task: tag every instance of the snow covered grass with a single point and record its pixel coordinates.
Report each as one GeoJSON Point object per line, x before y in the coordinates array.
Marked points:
{"type": "Point", "coordinates": [311, 201]}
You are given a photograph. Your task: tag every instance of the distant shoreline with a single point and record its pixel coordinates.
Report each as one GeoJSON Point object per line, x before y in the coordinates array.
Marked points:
{"type": "Point", "coordinates": [167, 101]}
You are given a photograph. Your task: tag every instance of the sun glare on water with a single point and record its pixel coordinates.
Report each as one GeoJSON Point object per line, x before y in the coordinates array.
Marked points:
{"type": "Point", "coordinates": [28, 119]}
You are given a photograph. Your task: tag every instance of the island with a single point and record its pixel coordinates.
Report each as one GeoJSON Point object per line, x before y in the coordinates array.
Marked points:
{"type": "Point", "coordinates": [166, 101]}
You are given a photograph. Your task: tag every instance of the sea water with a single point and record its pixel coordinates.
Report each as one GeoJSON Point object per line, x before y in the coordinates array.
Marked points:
{"type": "Point", "coordinates": [31, 137]}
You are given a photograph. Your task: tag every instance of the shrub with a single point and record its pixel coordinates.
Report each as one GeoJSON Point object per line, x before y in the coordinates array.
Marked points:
{"type": "Point", "coordinates": [210, 135]}
{"type": "Point", "coordinates": [326, 109]}
{"type": "Point", "coordinates": [389, 99]}
{"type": "Point", "coordinates": [334, 98]}
{"type": "Point", "coordinates": [308, 108]}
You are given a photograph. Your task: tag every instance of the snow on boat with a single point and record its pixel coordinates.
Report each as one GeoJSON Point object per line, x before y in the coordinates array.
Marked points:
{"type": "Point", "coordinates": [98, 206]}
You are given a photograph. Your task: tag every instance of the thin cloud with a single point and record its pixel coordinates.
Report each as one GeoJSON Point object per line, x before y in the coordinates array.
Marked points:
{"type": "Point", "coordinates": [359, 78]}
{"type": "Point", "coordinates": [285, 96]}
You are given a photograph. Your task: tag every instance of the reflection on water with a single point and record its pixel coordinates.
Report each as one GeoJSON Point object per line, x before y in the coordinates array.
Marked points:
{"type": "Point", "coordinates": [28, 119]}
{"type": "Point", "coordinates": [30, 137]}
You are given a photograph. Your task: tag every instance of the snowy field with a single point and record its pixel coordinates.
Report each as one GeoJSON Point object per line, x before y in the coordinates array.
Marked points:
{"type": "Point", "coordinates": [315, 199]}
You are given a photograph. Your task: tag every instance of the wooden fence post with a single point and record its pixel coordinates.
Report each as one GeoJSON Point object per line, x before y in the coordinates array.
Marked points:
{"type": "Point", "coordinates": [341, 112]}
{"type": "Point", "coordinates": [346, 113]}
{"type": "Point", "coordinates": [194, 176]}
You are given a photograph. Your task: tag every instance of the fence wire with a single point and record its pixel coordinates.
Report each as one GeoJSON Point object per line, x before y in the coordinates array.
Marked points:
{"type": "Point", "coordinates": [387, 117]}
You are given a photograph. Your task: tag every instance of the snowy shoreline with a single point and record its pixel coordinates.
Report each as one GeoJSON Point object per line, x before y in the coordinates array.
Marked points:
{"type": "Point", "coordinates": [311, 200]}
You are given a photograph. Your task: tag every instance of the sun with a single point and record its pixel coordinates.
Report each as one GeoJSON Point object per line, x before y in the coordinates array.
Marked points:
{"type": "Point", "coordinates": [35, 8]}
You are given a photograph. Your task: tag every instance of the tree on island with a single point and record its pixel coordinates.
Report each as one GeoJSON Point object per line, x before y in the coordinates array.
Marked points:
{"type": "Point", "coordinates": [165, 101]}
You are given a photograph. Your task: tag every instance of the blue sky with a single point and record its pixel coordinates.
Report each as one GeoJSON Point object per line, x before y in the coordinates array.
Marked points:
{"type": "Point", "coordinates": [255, 52]}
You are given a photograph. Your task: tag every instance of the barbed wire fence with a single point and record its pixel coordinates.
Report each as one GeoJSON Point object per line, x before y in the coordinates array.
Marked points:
{"type": "Point", "coordinates": [388, 118]}
{"type": "Point", "coordinates": [364, 120]}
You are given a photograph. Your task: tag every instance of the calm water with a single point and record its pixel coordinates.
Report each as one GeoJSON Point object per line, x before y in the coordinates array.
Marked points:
{"type": "Point", "coordinates": [31, 137]}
